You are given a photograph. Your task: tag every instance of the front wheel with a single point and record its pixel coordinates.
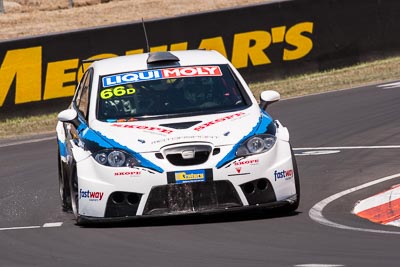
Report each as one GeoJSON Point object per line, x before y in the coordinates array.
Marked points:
{"type": "Point", "coordinates": [74, 188]}
{"type": "Point", "coordinates": [295, 204]}
{"type": "Point", "coordinates": [63, 186]}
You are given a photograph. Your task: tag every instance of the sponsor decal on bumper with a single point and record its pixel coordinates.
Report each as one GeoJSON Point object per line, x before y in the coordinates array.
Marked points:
{"type": "Point", "coordinates": [190, 176]}
{"type": "Point", "coordinates": [92, 196]}
{"type": "Point", "coordinates": [287, 175]}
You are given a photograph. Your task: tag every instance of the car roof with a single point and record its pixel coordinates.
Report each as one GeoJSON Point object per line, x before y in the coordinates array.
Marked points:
{"type": "Point", "coordinates": [139, 61]}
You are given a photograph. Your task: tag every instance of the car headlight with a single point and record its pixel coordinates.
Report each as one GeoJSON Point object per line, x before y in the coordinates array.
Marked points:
{"type": "Point", "coordinates": [115, 158]}
{"type": "Point", "coordinates": [256, 144]}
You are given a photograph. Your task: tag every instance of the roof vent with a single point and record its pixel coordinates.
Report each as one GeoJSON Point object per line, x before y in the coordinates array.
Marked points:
{"type": "Point", "coordinates": [162, 58]}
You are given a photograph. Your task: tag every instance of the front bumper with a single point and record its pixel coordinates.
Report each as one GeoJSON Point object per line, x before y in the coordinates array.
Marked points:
{"type": "Point", "coordinates": [189, 199]}
{"type": "Point", "coordinates": [108, 193]}
{"type": "Point", "coordinates": [272, 206]}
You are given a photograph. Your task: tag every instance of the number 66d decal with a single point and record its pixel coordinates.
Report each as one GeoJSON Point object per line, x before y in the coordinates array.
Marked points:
{"type": "Point", "coordinates": [117, 91]}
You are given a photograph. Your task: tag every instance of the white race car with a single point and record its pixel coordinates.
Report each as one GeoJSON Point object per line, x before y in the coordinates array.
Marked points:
{"type": "Point", "coordinates": [170, 133]}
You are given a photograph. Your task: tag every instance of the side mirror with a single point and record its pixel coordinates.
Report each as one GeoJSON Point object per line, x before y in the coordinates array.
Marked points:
{"type": "Point", "coordinates": [268, 97]}
{"type": "Point", "coordinates": [69, 115]}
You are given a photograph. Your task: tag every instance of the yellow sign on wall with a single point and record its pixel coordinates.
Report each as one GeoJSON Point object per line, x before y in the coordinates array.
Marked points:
{"type": "Point", "coordinates": [25, 66]}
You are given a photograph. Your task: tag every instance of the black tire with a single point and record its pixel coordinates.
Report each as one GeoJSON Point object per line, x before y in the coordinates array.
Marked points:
{"type": "Point", "coordinates": [294, 206]}
{"type": "Point", "coordinates": [74, 190]}
{"type": "Point", "coordinates": [63, 185]}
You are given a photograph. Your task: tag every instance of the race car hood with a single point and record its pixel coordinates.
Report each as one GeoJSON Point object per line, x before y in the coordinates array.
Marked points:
{"type": "Point", "coordinates": [151, 135]}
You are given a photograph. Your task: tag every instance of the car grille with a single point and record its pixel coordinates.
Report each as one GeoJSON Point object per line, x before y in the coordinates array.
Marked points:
{"type": "Point", "coordinates": [178, 160]}
{"type": "Point", "coordinates": [188, 155]}
{"type": "Point", "coordinates": [191, 197]}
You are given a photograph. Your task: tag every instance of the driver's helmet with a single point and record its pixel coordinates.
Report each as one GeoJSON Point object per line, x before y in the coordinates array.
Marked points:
{"type": "Point", "coordinates": [159, 85]}
{"type": "Point", "coordinates": [195, 93]}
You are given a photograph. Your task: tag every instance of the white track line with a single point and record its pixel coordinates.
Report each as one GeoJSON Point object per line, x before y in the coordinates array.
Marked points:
{"type": "Point", "coordinates": [50, 225]}
{"type": "Point", "coordinates": [46, 225]}
{"type": "Point", "coordinates": [389, 85]}
{"type": "Point", "coordinates": [347, 147]}
{"type": "Point", "coordinates": [23, 142]}
{"type": "Point", "coordinates": [315, 212]}
{"type": "Point", "coordinates": [319, 265]}
{"type": "Point", "coordinates": [19, 228]}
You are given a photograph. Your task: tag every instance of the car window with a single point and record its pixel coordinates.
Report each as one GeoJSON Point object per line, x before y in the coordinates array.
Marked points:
{"type": "Point", "coordinates": [181, 91]}
{"type": "Point", "coordinates": [82, 94]}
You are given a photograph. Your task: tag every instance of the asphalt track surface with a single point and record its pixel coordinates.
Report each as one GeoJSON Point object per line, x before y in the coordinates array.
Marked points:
{"type": "Point", "coordinates": [35, 232]}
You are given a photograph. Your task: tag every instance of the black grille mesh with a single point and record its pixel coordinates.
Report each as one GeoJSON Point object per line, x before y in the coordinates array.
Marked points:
{"type": "Point", "coordinates": [191, 197]}
{"type": "Point", "coordinates": [199, 158]}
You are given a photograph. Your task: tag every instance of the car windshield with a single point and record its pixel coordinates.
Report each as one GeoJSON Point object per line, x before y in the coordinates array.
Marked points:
{"type": "Point", "coordinates": [169, 92]}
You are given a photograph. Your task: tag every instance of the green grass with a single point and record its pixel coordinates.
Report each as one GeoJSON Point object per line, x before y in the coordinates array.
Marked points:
{"type": "Point", "coordinates": [350, 77]}
{"type": "Point", "coordinates": [30, 125]}
{"type": "Point", "coordinates": [362, 74]}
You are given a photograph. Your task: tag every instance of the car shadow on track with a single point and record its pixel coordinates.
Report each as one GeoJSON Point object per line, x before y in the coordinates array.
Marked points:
{"type": "Point", "coordinates": [191, 219]}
